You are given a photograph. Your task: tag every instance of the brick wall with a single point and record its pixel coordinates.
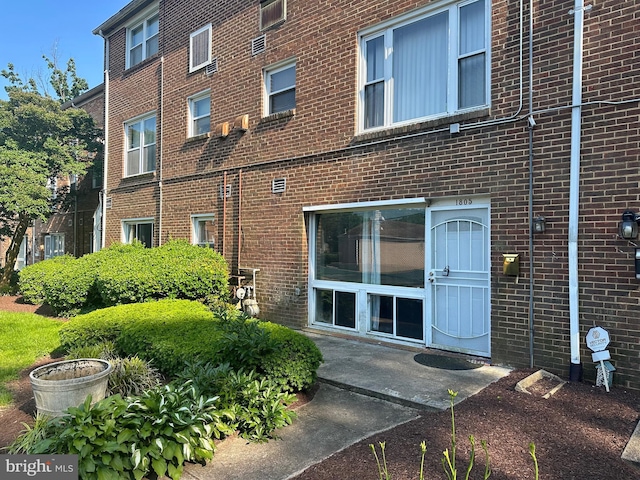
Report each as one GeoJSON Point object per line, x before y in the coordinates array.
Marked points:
{"type": "Point", "coordinates": [325, 162]}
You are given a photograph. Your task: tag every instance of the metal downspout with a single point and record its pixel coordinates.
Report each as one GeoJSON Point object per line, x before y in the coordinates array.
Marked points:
{"type": "Point", "coordinates": [159, 137]}
{"type": "Point", "coordinates": [240, 219]}
{"type": "Point", "coordinates": [105, 155]}
{"type": "Point", "coordinates": [575, 369]}
{"type": "Point", "coordinates": [531, 124]}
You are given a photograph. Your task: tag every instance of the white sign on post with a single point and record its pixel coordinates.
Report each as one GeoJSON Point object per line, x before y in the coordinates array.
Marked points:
{"type": "Point", "coordinates": [597, 340]}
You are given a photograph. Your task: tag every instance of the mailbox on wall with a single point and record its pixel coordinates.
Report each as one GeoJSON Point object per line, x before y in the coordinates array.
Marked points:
{"type": "Point", "coordinates": [511, 264]}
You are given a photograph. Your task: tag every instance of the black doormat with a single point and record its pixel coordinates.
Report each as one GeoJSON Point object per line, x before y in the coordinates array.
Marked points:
{"type": "Point", "coordinates": [445, 362]}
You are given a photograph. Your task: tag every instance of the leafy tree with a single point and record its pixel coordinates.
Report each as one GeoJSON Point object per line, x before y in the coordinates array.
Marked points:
{"type": "Point", "coordinates": [39, 141]}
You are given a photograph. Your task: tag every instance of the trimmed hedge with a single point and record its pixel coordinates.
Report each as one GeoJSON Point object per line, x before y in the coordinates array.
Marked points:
{"type": "Point", "coordinates": [32, 278]}
{"type": "Point", "coordinates": [173, 333]}
{"type": "Point", "coordinates": [123, 274]}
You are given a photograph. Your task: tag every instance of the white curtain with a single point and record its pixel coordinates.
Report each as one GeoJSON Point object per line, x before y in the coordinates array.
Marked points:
{"type": "Point", "coordinates": [371, 227]}
{"type": "Point", "coordinates": [420, 68]}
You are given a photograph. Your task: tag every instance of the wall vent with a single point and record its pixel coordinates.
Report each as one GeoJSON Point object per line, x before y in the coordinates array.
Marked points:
{"type": "Point", "coordinates": [259, 45]}
{"type": "Point", "coordinates": [228, 191]}
{"type": "Point", "coordinates": [108, 202]}
{"type": "Point", "coordinates": [212, 67]}
{"type": "Point", "coordinates": [278, 185]}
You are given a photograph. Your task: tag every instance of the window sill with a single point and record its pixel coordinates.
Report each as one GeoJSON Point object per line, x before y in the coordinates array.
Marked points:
{"type": "Point", "coordinates": [421, 126]}
{"type": "Point", "coordinates": [274, 117]}
{"type": "Point", "coordinates": [140, 65]}
{"type": "Point", "coordinates": [198, 138]}
{"type": "Point", "coordinates": [137, 180]}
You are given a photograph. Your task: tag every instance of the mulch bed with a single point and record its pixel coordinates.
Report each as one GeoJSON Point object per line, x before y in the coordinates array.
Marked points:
{"type": "Point", "coordinates": [579, 434]}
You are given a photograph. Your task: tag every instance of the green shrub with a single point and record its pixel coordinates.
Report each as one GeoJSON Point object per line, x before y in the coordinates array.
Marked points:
{"type": "Point", "coordinates": [70, 289]}
{"type": "Point", "coordinates": [244, 342]}
{"type": "Point", "coordinates": [294, 361]}
{"type": "Point", "coordinates": [158, 319]}
{"type": "Point", "coordinates": [123, 274]}
{"type": "Point", "coordinates": [128, 278]}
{"type": "Point", "coordinates": [103, 350]}
{"type": "Point", "coordinates": [128, 439]}
{"type": "Point", "coordinates": [172, 333]}
{"type": "Point", "coordinates": [258, 404]}
{"type": "Point", "coordinates": [33, 279]}
{"type": "Point", "coordinates": [191, 272]}
{"type": "Point", "coordinates": [176, 269]}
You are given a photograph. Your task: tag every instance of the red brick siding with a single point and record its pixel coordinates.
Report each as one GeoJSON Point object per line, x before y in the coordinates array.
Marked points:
{"type": "Point", "coordinates": [316, 151]}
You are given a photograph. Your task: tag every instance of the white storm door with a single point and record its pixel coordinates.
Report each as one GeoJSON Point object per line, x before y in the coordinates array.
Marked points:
{"type": "Point", "coordinates": [460, 280]}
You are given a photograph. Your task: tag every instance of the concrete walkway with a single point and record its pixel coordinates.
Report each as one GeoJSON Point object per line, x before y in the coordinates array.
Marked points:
{"type": "Point", "coordinates": [365, 388]}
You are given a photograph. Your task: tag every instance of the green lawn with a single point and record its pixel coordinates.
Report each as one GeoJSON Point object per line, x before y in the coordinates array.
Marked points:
{"type": "Point", "coordinates": [24, 337]}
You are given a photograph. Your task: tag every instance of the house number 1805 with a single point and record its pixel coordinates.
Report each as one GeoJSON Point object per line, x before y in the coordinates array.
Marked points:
{"type": "Point", "coordinates": [463, 201]}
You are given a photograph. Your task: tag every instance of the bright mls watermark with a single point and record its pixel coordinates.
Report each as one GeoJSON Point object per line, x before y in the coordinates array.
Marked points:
{"type": "Point", "coordinates": [51, 467]}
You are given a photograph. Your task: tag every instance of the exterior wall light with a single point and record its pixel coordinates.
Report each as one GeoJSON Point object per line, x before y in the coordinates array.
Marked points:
{"type": "Point", "coordinates": [628, 227]}
{"type": "Point", "coordinates": [539, 225]}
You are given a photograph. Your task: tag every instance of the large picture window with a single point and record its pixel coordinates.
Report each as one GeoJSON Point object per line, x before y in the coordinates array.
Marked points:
{"type": "Point", "coordinates": [378, 247]}
{"type": "Point", "coordinates": [141, 145]}
{"type": "Point", "coordinates": [367, 269]}
{"type": "Point", "coordinates": [426, 66]}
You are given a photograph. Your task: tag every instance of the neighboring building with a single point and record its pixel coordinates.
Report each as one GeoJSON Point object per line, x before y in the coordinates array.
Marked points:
{"type": "Point", "coordinates": [377, 167]}
{"type": "Point", "coordinates": [75, 227]}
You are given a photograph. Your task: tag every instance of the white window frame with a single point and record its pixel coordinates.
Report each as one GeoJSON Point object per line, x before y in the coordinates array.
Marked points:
{"type": "Point", "coordinates": [192, 66]}
{"type": "Point", "coordinates": [386, 30]}
{"type": "Point", "coordinates": [363, 291]}
{"type": "Point", "coordinates": [142, 21]}
{"type": "Point", "coordinates": [21, 260]}
{"type": "Point", "coordinates": [193, 119]}
{"type": "Point", "coordinates": [127, 148]}
{"type": "Point", "coordinates": [268, 72]}
{"type": "Point", "coordinates": [129, 229]}
{"type": "Point", "coordinates": [53, 245]}
{"type": "Point", "coordinates": [195, 229]}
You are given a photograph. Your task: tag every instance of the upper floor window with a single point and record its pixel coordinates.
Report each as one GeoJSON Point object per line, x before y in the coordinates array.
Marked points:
{"type": "Point", "coordinates": [142, 39]}
{"type": "Point", "coordinates": [427, 66]}
{"type": "Point", "coordinates": [200, 48]}
{"type": "Point", "coordinates": [141, 145]}
{"type": "Point", "coordinates": [199, 114]}
{"type": "Point", "coordinates": [272, 12]}
{"type": "Point", "coordinates": [280, 88]}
